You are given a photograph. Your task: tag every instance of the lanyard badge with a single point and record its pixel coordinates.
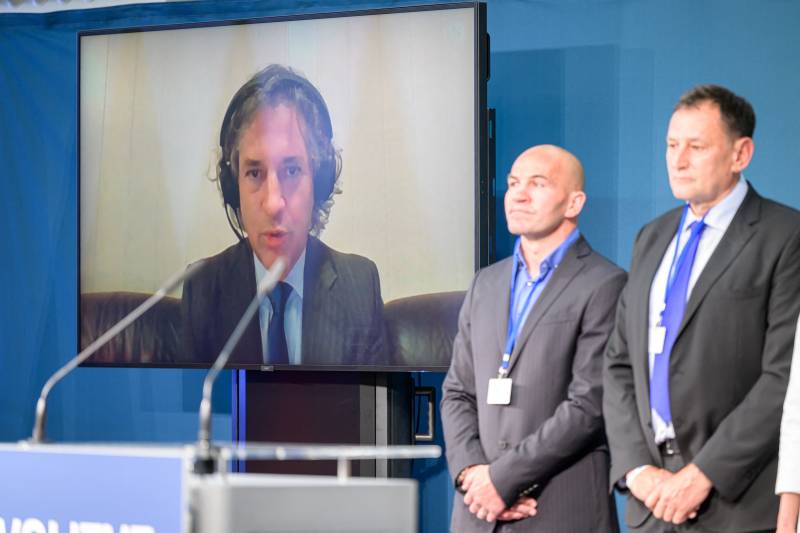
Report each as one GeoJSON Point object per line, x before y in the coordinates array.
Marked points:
{"type": "Point", "coordinates": [500, 387]}
{"type": "Point", "coordinates": [499, 391]}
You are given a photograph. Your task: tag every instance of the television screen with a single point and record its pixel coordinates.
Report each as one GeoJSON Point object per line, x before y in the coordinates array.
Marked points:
{"type": "Point", "coordinates": [349, 145]}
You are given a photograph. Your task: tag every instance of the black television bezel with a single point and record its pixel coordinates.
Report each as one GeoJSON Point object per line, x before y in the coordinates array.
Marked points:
{"type": "Point", "coordinates": [484, 253]}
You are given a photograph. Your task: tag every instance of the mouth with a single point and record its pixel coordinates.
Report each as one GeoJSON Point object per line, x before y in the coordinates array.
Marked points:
{"type": "Point", "coordinates": [275, 238]}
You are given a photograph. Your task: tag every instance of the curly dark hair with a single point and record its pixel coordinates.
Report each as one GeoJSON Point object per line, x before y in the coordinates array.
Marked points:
{"type": "Point", "coordinates": [270, 87]}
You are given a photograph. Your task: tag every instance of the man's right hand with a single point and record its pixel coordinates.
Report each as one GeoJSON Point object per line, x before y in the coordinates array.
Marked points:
{"type": "Point", "coordinates": [462, 476]}
{"type": "Point", "coordinates": [647, 480]}
{"type": "Point", "coordinates": [522, 508]}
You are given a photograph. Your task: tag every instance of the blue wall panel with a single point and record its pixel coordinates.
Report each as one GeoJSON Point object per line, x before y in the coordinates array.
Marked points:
{"type": "Point", "coordinates": [599, 78]}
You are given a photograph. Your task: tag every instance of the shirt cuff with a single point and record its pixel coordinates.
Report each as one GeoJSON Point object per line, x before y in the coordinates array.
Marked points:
{"type": "Point", "coordinates": [633, 474]}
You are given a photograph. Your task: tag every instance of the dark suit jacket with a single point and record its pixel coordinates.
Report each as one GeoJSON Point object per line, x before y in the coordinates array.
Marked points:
{"type": "Point", "coordinates": [551, 435]}
{"type": "Point", "coordinates": [342, 308]}
{"type": "Point", "coordinates": [728, 369]}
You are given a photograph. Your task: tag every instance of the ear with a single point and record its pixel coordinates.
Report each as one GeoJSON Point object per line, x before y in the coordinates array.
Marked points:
{"type": "Point", "coordinates": [743, 149]}
{"type": "Point", "coordinates": [575, 204]}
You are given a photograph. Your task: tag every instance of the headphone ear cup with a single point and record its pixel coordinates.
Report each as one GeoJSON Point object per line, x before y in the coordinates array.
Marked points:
{"type": "Point", "coordinates": [229, 187]}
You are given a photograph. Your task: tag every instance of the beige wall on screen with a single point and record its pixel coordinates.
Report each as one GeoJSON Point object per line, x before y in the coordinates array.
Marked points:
{"type": "Point", "coordinates": [400, 94]}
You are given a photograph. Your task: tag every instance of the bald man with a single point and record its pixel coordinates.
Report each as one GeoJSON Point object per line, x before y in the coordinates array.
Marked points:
{"type": "Point", "coordinates": [521, 402]}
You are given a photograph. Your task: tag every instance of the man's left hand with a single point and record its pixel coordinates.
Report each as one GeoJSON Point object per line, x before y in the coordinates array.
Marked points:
{"type": "Point", "coordinates": [678, 498]}
{"type": "Point", "coordinates": [481, 495]}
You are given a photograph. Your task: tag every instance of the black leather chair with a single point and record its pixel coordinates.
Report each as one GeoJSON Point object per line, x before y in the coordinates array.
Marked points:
{"type": "Point", "coordinates": [420, 328]}
{"type": "Point", "coordinates": [153, 339]}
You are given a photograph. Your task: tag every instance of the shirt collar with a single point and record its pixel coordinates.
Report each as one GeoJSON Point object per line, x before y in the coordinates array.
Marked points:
{"type": "Point", "coordinates": [720, 216]}
{"type": "Point", "coordinates": [294, 278]}
{"type": "Point", "coordinates": [551, 261]}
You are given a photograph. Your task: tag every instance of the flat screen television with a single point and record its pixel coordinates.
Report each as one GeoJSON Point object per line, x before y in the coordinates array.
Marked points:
{"type": "Point", "coordinates": [352, 145]}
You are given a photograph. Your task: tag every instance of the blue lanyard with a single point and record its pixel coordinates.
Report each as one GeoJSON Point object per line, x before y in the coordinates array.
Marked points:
{"type": "Point", "coordinates": [675, 264]}
{"type": "Point", "coordinates": [515, 322]}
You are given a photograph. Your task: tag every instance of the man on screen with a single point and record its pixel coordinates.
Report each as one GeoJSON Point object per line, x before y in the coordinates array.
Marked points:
{"type": "Point", "coordinates": [277, 174]}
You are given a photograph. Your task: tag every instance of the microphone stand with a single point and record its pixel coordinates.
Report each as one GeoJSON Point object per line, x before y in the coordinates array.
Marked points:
{"type": "Point", "coordinates": [41, 404]}
{"type": "Point", "coordinates": [205, 460]}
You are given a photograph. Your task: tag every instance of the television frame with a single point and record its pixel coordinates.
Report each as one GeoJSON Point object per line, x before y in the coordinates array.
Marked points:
{"type": "Point", "coordinates": [484, 200]}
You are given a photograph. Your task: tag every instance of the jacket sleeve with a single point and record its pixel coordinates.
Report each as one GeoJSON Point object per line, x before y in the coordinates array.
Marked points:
{"type": "Point", "coordinates": [626, 441]}
{"type": "Point", "coordinates": [378, 349]}
{"type": "Point", "coordinates": [747, 439]}
{"type": "Point", "coordinates": [458, 407]}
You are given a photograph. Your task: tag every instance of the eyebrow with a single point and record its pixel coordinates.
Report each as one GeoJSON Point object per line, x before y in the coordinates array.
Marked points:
{"type": "Point", "coordinates": [510, 176]}
{"type": "Point", "coordinates": [690, 139]}
{"type": "Point", "coordinates": [292, 159]}
{"type": "Point", "coordinates": [288, 159]}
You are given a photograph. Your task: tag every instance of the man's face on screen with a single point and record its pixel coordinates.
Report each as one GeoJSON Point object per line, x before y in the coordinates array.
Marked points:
{"type": "Point", "coordinates": [276, 186]}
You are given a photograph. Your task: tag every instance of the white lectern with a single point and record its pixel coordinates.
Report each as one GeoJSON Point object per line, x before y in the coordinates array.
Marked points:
{"type": "Point", "coordinates": [60, 488]}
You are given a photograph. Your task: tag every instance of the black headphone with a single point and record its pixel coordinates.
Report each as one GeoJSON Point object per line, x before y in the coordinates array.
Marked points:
{"type": "Point", "coordinates": [289, 87]}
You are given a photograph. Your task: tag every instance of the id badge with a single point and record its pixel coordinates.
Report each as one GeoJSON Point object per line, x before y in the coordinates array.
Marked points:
{"type": "Point", "coordinates": [656, 339]}
{"type": "Point", "coordinates": [499, 391]}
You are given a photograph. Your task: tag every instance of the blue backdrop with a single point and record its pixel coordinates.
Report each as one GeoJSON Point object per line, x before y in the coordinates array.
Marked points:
{"type": "Point", "coordinates": [597, 77]}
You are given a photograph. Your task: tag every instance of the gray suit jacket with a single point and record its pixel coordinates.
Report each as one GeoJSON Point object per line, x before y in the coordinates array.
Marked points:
{"type": "Point", "coordinates": [551, 435]}
{"type": "Point", "coordinates": [342, 309]}
{"type": "Point", "coordinates": [728, 369]}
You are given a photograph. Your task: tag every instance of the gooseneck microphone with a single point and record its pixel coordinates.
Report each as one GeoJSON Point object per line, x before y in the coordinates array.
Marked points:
{"type": "Point", "coordinates": [41, 404]}
{"type": "Point", "coordinates": [204, 463]}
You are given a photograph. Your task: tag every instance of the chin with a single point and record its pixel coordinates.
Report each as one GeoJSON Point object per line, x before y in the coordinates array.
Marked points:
{"type": "Point", "coordinates": [682, 193]}
{"type": "Point", "coordinates": [515, 229]}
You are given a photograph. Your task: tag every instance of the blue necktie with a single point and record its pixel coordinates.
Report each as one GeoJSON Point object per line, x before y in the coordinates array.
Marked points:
{"type": "Point", "coordinates": [277, 353]}
{"type": "Point", "coordinates": [671, 320]}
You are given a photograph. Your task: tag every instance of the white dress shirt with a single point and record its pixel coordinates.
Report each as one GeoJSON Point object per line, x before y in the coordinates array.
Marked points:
{"type": "Point", "coordinates": [292, 313]}
{"type": "Point", "coordinates": [717, 221]}
{"type": "Point", "coordinates": [789, 459]}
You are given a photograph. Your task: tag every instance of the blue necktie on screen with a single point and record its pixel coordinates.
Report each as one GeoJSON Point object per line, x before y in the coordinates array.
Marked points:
{"type": "Point", "coordinates": [277, 353]}
{"type": "Point", "coordinates": [671, 320]}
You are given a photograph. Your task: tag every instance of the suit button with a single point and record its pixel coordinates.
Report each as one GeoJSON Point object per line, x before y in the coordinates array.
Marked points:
{"type": "Point", "coordinates": [502, 445]}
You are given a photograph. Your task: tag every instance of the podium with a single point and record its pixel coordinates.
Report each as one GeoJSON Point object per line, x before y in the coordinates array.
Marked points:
{"type": "Point", "coordinates": [63, 488]}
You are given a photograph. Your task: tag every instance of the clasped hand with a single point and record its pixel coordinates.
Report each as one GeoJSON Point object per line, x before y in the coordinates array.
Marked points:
{"type": "Point", "coordinates": [672, 498]}
{"type": "Point", "coordinates": [485, 502]}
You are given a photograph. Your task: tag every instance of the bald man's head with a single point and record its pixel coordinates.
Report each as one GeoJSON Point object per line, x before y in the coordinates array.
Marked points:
{"type": "Point", "coordinates": [545, 192]}
{"type": "Point", "coordinates": [564, 166]}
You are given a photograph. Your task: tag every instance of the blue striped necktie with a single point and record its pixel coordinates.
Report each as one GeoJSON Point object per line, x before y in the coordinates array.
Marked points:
{"type": "Point", "coordinates": [277, 353]}
{"type": "Point", "coordinates": [671, 320]}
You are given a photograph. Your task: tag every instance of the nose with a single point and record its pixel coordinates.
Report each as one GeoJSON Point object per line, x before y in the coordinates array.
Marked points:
{"type": "Point", "coordinates": [272, 200]}
{"type": "Point", "coordinates": [518, 194]}
{"type": "Point", "coordinates": [681, 157]}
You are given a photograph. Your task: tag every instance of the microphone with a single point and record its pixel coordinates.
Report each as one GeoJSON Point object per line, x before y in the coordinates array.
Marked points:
{"type": "Point", "coordinates": [204, 463]}
{"type": "Point", "coordinates": [41, 404]}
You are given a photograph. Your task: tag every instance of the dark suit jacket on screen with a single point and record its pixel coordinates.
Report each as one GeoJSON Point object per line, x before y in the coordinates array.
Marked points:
{"type": "Point", "coordinates": [342, 308]}
{"type": "Point", "coordinates": [728, 368]}
{"type": "Point", "coordinates": [551, 435]}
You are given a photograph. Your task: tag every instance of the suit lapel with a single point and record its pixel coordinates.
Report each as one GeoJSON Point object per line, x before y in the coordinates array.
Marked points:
{"type": "Point", "coordinates": [563, 275]}
{"type": "Point", "coordinates": [501, 287]}
{"type": "Point", "coordinates": [740, 231]}
{"type": "Point", "coordinates": [652, 256]}
{"type": "Point", "coordinates": [319, 278]}
{"type": "Point", "coordinates": [249, 349]}
{"type": "Point", "coordinates": [639, 314]}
